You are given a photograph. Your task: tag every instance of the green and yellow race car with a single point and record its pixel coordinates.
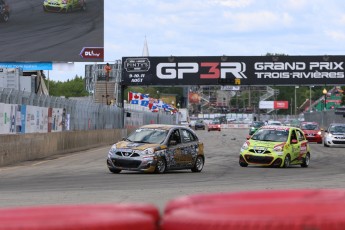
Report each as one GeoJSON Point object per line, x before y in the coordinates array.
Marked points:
{"type": "Point", "coordinates": [64, 5]}
{"type": "Point", "coordinates": [276, 146]}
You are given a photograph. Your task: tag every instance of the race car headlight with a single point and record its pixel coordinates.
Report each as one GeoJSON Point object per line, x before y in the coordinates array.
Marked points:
{"type": "Point", "coordinates": [112, 149]}
{"type": "Point", "coordinates": [149, 151]}
{"type": "Point", "coordinates": [319, 133]}
{"type": "Point", "coordinates": [245, 146]}
{"type": "Point", "coordinates": [252, 128]}
{"type": "Point", "coordinates": [279, 148]}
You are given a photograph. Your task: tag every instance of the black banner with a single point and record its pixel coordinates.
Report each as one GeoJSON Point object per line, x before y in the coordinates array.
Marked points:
{"type": "Point", "coordinates": [234, 70]}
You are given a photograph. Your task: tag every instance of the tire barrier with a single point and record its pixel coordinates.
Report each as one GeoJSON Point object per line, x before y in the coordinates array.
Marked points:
{"type": "Point", "coordinates": [281, 209]}
{"type": "Point", "coordinates": [251, 196]}
{"type": "Point", "coordinates": [270, 210]}
{"type": "Point", "coordinates": [86, 217]}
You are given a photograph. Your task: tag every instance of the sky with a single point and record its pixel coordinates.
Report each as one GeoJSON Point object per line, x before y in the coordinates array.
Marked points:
{"type": "Point", "coordinates": [219, 27]}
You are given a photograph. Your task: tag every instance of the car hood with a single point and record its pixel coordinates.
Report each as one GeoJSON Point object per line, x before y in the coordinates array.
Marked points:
{"type": "Point", "coordinates": [138, 146]}
{"type": "Point", "coordinates": [266, 144]}
{"type": "Point", "coordinates": [310, 131]}
{"type": "Point", "coordinates": [338, 133]}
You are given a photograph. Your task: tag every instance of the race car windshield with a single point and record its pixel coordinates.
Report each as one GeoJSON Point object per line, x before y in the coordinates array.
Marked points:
{"type": "Point", "coordinates": [271, 135]}
{"type": "Point", "coordinates": [152, 136]}
{"type": "Point", "coordinates": [310, 127]}
{"type": "Point", "coordinates": [337, 129]}
{"type": "Point", "coordinates": [258, 124]}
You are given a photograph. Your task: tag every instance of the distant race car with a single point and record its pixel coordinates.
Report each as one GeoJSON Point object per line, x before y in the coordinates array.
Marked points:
{"type": "Point", "coordinates": [199, 124]}
{"type": "Point", "coordinates": [4, 11]}
{"type": "Point", "coordinates": [276, 146]}
{"type": "Point", "coordinates": [64, 6]}
{"type": "Point", "coordinates": [270, 122]}
{"type": "Point", "coordinates": [255, 125]}
{"type": "Point", "coordinates": [214, 125]}
{"type": "Point", "coordinates": [335, 135]}
{"type": "Point", "coordinates": [312, 131]}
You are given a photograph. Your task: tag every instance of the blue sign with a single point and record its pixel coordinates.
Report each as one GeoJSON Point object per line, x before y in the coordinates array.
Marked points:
{"type": "Point", "coordinates": [27, 66]}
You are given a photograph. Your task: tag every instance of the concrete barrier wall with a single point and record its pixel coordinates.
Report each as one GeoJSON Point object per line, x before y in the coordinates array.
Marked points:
{"type": "Point", "coordinates": [25, 147]}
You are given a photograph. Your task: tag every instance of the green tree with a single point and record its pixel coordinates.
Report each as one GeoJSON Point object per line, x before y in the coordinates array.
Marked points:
{"type": "Point", "coordinates": [70, 88]}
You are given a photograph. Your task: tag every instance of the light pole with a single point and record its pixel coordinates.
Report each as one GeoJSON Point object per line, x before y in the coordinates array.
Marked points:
{"type": "Point", "coordinates": [310, 98]}
{"type": "Point", "coordinates": [296, 87]}
{"type": "Point", "coordinates": [324, 91]}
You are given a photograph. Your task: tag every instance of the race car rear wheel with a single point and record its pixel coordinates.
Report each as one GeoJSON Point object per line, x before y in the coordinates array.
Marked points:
{"type": "Point", "coordinates": [199, 164]}
{"type": "Point", "coordinates": [114, 170]}
{"type": "Point", "coordinates": [161, 165]}
{"type": "Point", "coordinates": [306, 161]}
{"type": "Point", "coordinates": [286, 161]}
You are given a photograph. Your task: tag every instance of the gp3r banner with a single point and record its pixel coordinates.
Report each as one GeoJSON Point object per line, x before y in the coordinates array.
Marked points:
{"type": "Point", "coordinates": [234, 70]}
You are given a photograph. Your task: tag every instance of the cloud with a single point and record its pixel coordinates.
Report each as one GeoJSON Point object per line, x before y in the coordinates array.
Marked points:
{"type": "Point", "coordinates": [336, 35]}
{"type": "Point", "coordinates": [232, 3]}
{"type": "Point", "coordinates": [296, 4]}
{"type": "Point", "coordinates": [255, 21]}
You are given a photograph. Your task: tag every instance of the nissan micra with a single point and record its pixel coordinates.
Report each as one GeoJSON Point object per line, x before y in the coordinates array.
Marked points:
{"type": "Point", "coordinates": [157, 148]}
{"type": "Point", "coordinates": [277, 146]}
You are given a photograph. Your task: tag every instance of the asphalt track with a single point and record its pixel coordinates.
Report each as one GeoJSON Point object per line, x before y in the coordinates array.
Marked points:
{"type": "Point", "coordinates": [34, 35]}
{"type": "Point", "coordinates": [83, 177]}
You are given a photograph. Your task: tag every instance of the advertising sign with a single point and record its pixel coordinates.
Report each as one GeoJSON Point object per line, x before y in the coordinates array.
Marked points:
{"type": "Point", "coordinates": [27, 66]}
{"type": "Point", "coordinates": [273, 104]}
{"type": "Point", "coordinates": [234, 70]}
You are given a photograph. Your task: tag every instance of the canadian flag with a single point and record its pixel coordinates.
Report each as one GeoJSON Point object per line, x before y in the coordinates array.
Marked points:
{"type": "Point", "coordinates": [134, 98]}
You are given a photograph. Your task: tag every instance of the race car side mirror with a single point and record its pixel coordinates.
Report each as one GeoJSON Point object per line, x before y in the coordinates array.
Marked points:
{"type": "Point", "coordinates": [293, 141]}
{"type": "Point", "coordinates": [172, 142]}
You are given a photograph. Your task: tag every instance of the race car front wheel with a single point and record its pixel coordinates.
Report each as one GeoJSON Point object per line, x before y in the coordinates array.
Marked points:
{"type": "Point", "coordinates": [286, 161]}
{"type": "Point", "coordinates": [114, 170]}
{"type": "Point", "coordinates": [161, 165]}
{"type": "Point", "coordinates": [242, 164]}
{"type": "Point", "coordinates": [5, 17]}
{"type": "Point", "coordinates": [83, 8]}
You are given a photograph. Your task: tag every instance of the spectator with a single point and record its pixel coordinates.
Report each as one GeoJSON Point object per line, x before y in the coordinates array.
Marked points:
{"type": "Point", "coordinates": [107, 69]}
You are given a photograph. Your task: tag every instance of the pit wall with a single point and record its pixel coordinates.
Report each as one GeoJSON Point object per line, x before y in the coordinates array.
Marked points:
{"type": "Point", "coordinates": [18, 148]}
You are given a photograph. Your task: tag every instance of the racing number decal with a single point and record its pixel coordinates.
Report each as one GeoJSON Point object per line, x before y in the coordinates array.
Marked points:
{"type": "Point", "coordinates": [303, 148]}
{"type": "Point", "coordinates": [213, 70]}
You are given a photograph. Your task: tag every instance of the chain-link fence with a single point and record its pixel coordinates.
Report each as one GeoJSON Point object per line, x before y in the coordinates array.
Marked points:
{"type": "Point", "coordinates": [84, 114]}
{"type": "Point", "coordinates": [324, 118]}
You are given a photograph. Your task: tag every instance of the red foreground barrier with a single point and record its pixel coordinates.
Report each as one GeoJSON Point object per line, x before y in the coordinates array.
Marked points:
{"type": "Point", "coordinates": [75, 217]}
{"type": "Point", "coordinates": [252, 196]}
{"type": "Point", "coordinates": [281, 209]}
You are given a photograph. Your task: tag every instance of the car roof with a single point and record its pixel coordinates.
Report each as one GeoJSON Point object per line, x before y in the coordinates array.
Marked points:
{"type": "Point", "coordinates": [309, 122]}
{"type": "Point", "coordinates": [161, 126]}
{"type": "Point", "coordinates": [337, 124]}
{"type": "Point", "coordinates": [278, 127]}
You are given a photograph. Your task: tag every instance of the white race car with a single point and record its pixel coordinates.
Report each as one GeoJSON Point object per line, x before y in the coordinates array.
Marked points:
{"type": "Point", "coordinates": [334, 135]}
